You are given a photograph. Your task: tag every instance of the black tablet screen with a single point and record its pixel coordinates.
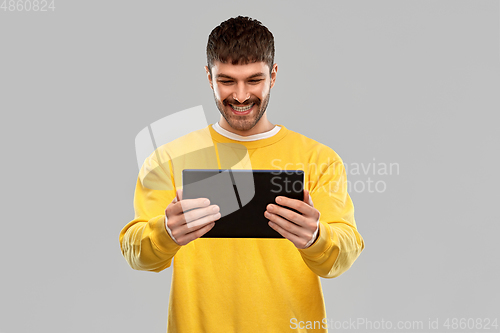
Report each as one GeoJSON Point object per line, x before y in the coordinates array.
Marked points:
{"type": "Point", "coordinates": [242, 196]}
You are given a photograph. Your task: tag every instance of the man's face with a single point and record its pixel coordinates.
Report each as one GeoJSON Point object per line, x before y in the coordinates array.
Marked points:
{"type": "Point", "coordinates": [242, 92]}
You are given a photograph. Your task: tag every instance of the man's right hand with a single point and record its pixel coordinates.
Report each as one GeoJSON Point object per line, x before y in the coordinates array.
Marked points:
{"type": "Point", "coordinates": [186, 227]}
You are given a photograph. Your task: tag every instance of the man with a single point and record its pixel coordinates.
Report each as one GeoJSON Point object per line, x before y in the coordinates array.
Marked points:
{"type": "Point", "coordinates": [243, 285]}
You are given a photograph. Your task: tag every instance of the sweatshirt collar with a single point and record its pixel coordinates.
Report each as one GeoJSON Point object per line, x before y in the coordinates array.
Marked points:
{"type": "Point", "coordinates": [249, 142]}
{"type": "Point", "coordinates": [237, 137]}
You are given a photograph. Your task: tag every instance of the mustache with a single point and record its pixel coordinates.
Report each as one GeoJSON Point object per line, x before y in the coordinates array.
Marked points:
{"type": "Point", "coordinates": [247, 102]}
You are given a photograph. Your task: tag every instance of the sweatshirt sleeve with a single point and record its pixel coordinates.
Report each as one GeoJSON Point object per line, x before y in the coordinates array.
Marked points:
{"type": "Point", "coordinates": [144, 241]}
{"type": "Point", "coordinates": [339, 243]}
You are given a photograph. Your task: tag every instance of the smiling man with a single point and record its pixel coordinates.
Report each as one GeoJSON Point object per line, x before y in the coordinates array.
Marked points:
{"type": "Point", "coordinates": [242, 94]}
{"type": "Point", "coordinates": [244, 284]}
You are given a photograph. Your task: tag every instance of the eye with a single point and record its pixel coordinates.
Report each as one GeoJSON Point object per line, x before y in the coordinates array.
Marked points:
{"type": "Point", "coordinates": [225, 82]}
{"type": "Point", "coordinates": [255, 81]}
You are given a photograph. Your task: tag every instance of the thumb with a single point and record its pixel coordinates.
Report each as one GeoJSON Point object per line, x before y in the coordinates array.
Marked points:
{"type": "Point", "coordinates": [178, 196]}
{"type": "Point", "coordinates": [307, 198]}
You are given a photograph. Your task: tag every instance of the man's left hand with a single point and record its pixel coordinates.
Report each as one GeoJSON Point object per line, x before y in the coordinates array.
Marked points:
{"type": "Point", "coordinates": [297, 228]}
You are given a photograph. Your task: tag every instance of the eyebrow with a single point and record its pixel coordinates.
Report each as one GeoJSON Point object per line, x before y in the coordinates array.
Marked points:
{"type": "Point", "coordinates": [218, 76]}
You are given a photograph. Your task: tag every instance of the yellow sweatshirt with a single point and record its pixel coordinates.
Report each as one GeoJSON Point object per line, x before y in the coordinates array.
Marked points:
{"type": "Point", "coordinates": [243, 285]}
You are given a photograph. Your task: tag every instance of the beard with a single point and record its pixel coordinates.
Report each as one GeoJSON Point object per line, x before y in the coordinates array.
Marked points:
{"type": "Point", "coordinates": [246, 122]}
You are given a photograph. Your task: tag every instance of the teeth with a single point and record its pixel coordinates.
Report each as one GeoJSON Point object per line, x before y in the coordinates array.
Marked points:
{"type": "Point", "coordinates": [243, 109]}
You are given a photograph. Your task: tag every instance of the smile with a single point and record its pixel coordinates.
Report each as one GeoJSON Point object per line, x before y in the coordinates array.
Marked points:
{"type": "Point", "coordinates": [242, 109]}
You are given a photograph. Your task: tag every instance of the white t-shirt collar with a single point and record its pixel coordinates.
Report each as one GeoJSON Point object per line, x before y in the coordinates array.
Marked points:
{"type": "Point", "coordinates": [237, 137]}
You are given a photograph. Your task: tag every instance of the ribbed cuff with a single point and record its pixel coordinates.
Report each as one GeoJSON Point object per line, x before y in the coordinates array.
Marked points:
{"type": "Point", "coordinates": [313, 238]}
{"type": "Point", "coordinates": [161, 237]}
{"type": "Point", "coordinates": [323, 243]}
{"type": "Point", "coordinates": [169, 231]}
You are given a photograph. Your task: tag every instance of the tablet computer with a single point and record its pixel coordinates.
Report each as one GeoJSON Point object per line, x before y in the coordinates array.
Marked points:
{"type": "Point", "coordinates": [242, 196]}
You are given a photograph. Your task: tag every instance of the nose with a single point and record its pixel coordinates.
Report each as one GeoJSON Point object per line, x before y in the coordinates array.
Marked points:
{"type": "Point", "coordinates": [241, 95]}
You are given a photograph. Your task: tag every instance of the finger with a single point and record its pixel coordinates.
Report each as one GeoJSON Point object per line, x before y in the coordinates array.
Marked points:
{"type": "Point", "coordinates": [307, 198]}
{"type": "Point", "coordinates": [286, 224]}
{"type": "Point", "coordinates": [287, 214]}
{"type": "Point", "coordinates": [185, 239]}
{"type": "Point", "coordinates": [198, 213]}
{"type": "Point", "coordinates": [178, 196]}
{"type": "Point", "coordinates": [180, 229]}
{"type": "Point", "coordinates": [202, 221]}
{"type": "Point", "coordinates": [298, 205]}
{"type": "Point", "coordinates": [187, 204]}
{"type": "Point", "coordinates": [188, 217]}
{"type": "Point", "coordinates": [297, 241]}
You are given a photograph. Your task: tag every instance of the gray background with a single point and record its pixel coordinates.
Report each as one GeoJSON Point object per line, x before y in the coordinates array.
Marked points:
{"type": "Point", "coordinates": [409, 82]}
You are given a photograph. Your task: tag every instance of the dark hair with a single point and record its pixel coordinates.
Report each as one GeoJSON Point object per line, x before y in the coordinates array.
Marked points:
{"type": "Point", "coordinates": [240, 40]}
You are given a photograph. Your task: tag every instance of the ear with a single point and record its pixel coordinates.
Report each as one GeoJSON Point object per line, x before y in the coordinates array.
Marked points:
{"type": "Point", "coordinates": [273, 74]}
{"type": "Point", "coordinates": [209, 77]}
